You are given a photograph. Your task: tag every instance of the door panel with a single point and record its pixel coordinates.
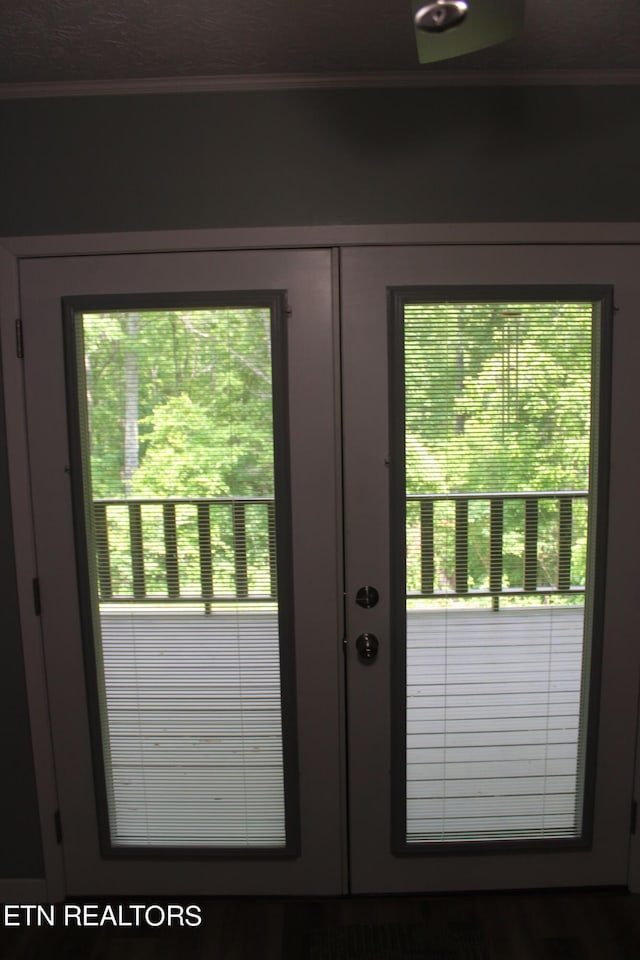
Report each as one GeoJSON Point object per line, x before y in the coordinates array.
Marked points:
{"type": "Point", "coordinates": [212, 662]}
{"type": "Point", "coordinates": [468, 803]}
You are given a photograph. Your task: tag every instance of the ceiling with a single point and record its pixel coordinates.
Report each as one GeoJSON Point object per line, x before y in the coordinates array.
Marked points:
{"type": "Point", "coordinates": [294, 42]}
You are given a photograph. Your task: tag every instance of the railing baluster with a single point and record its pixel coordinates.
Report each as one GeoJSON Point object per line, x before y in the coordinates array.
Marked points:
{"type": "Point", "coordinates": [496, 534]}
{"type": "Point", "coordinates": [137, 551]}
{"type": "Point", "coordinates": [171, 567]}
{"type": "Point", "coordinates": [240, 549]}
{"type": "Point", "coordinates": [273, 558]}
{"type": "Point", "coordinates": [102, 548]}
{"type": "Point", "coordinates": [427, 561]}
{"type": "Point", "coordinates": [204, 551]}
{"type": "Point", "coordinates": [530, 545]}
{"type": "Point", "coordinates": [428, 519]}
{"type": "Point", "coordinates": [565, 524]}
{"type": "Point", "coordinates": [462, 546]}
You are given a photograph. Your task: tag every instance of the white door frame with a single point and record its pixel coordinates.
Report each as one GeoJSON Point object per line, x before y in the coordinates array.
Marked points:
{"type": "Point", "coordinates": [15, 249]}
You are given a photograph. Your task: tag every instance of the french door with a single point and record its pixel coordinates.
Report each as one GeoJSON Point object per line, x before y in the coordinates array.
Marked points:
{"type": "Point", "coordinates": [499, 710]}
{"type": "Point", "coordinates": [321, 612]}
{"type": "Point", "coordinates": [190, 614]}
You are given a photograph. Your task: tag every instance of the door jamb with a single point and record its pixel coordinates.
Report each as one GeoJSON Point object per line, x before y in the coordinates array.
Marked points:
{"type": "Point", "coordinates": [26, 572]}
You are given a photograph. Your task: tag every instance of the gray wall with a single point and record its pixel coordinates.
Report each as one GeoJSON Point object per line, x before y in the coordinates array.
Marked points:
{"type": "Point", "coordinates": [215, 160]}
{"type": "Point", "coordinates": [290, 158]}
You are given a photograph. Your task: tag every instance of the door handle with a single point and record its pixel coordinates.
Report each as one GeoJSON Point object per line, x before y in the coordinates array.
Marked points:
{"type": "Point", "coordinates": [367, 646]}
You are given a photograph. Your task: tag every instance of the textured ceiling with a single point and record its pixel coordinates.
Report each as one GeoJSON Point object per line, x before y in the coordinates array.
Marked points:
{"type": "Point", "coordinates": [52, 41]}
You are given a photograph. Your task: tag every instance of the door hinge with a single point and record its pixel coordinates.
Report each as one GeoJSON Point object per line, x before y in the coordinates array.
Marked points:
{"type": "Point", "coordinates": [37, 606]}
{"type": "Point", "coordinates": [634, 816]}
{"type": "Point", "coordinates": [57, 823]}
{"type": "Point", "coordinates": [19, 340]}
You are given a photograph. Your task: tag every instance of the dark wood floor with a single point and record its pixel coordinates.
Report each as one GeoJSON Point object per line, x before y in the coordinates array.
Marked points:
{"type": "Point", "coordinates": [600, 925]}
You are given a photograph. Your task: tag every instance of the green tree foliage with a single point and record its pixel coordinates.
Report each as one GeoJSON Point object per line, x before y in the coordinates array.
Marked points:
{"type": "Point", "coordinates": [205, 404]}
{"type": "Point", "coordinates": [204, 429]}
{"type": "Point", "coordinates": [497, 399]}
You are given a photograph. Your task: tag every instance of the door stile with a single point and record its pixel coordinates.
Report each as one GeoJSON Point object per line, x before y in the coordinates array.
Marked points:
{"type": "Point", "coordinates": [341, 590]}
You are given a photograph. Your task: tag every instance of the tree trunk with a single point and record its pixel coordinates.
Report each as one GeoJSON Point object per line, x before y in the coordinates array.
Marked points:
{"type": "Point", "coordinates": [131, 452]}
{"type": "Point", "coordinates": [460, 417]}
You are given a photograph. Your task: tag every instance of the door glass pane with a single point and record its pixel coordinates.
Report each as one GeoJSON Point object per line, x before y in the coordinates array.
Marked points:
{"type": "Point", "coordinates": [183, 541]}
{"type": "Point", "coordinates": [498, 418]}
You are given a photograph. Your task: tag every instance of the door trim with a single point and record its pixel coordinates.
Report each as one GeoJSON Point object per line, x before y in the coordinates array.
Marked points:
{"type": "Point", "coordinates": [283, 237]}
{"type": "Point", "coordinates": [26, 570]}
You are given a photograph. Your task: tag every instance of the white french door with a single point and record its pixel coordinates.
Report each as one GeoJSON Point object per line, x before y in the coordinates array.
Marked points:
{"type": "Point", "coordinates": [190, 614]}
{"type": "Point", "coordinates": [492, 734]}
{"type": "Point", "coordinates": [203, 702]}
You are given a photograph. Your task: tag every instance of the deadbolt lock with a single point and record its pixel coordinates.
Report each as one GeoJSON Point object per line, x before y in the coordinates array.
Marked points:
{"type": "Point", "coordinates": [367, 597]}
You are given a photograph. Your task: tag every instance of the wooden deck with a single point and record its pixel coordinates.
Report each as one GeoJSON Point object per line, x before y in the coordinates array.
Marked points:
{"type": "Point", "coordinates": [195, 741]}
{"type": "Point", "coordinates": [493, 707]}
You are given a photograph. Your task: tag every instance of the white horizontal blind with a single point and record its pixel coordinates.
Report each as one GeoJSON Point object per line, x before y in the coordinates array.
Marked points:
{"type": "Point", "coordinates": [498, 429]}
{"type": "Point", "coordinates": [194, 730]}
{"type": "Point", "coordinates": [178, 452]}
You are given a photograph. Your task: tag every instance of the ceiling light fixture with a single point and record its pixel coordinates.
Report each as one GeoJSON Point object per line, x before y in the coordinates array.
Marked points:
{"type": "Point", "coordinates": [453, 28]}
{"type": "Point", "coordinates": [441, 15]}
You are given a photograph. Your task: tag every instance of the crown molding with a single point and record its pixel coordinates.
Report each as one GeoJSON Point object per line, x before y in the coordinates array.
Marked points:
{"type": "Point", "coordinates": [266, 82]}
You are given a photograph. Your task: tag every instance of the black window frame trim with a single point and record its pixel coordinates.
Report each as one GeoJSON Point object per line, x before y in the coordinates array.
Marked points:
{"type": "Point", "coordinates": [276, 302]}
{"type": "Point", "coordinates": [601, 296]}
